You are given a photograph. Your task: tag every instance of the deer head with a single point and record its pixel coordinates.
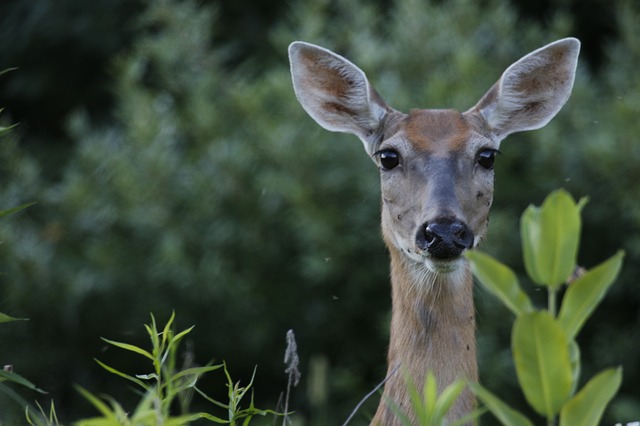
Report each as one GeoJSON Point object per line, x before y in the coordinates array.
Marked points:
{"type": "Point", "coordinates": [436, 166]}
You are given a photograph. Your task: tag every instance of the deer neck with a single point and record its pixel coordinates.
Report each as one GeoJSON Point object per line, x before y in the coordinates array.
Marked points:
{"type": "Point", "coordinates": [432, 329]}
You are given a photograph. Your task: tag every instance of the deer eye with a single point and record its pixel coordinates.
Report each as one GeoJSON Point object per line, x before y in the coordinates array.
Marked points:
{"type": "Point", "coordinates": [486, 157]}
{"type": "Point", "coordinates": [389, 158]}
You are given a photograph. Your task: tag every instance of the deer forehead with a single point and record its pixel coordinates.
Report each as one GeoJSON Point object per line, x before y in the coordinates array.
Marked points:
{"type": "Point", "coordinates": [441, 133]}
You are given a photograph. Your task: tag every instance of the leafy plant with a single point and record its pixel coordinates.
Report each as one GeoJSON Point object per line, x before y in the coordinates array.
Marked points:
{"type": "Point", "coordinates": [430, 407]}
{"type": "Point", "coordinates": [166, 384]}
{"type": "Point", "coordinates": [7, 374]}
{"type": "Point", "coordinates": [34, 417]}
{"type": "Point", "coordinates": [545, 352]}
{"type": "Point", "coordinates": [42, 417]}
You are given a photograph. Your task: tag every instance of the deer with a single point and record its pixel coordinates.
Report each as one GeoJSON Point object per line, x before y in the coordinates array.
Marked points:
{"type": "Point", "coordinates": [436, 180]}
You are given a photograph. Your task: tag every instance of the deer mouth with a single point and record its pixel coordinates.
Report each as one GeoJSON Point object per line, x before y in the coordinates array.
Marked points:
{"type": "Point", "coordinates": [440, 265]}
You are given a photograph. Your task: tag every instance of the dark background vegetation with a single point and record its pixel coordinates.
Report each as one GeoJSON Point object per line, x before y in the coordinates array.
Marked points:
{"type": "Point", "coordinates": [174, 170]}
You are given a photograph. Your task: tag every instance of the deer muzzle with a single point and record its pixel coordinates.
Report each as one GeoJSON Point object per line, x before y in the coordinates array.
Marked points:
{"type": "Point", "coordinates": [444, 238]}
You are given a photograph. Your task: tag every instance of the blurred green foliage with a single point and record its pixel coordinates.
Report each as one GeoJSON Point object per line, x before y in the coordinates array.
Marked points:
{"type": "Point", "coordinates": [205, 188]}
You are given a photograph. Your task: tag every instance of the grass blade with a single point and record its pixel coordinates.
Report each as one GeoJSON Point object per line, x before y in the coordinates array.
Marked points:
{"type": "Point", "coordinates": [131, 348]}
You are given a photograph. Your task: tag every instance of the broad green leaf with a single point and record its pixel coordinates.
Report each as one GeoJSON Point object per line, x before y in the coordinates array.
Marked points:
{"type": "Point", "coordinates": [584, 294]}
{"type": "Point", "coordinates": [7, 318]}
{"type": "Point", "coordinates": [587, 406]}
{"type": "Point", "coordinates": [550, 238]}
{"type": "Point", "coordinates": [543, 365]}
{"type": "Point", "coordinates": [18, 379]}
{"type": "Point", "coordinates": [531, 234]}
{"type": "Point", "coordinates": [507, 415]}
{"type": "Point", "coordinates": [499, 280]}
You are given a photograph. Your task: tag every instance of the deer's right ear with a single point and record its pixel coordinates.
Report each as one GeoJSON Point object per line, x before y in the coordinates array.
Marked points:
{"type": "Point", "coordinates": [336, 93]}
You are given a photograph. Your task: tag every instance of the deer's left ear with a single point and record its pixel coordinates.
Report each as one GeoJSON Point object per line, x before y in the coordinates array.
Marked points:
{"type": "Point", "coordinates": [532, 90]}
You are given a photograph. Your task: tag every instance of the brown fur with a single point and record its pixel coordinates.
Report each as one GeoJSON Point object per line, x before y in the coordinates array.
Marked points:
{"type": "Point", "coordinates": [438, 176]}
{"type": "Point", "coordinates": [432, 330]}
{"type": "Point", "coordinates": [433, 321]}
{"type": "Point", "coordinates": [437, 130]}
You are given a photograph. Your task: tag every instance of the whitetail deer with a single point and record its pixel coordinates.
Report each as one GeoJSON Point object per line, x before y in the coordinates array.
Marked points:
{"type": "Point", "coordinates": [436, 174]}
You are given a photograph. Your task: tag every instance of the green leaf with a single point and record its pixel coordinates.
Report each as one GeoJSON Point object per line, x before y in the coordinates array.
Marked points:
{"type": "Point", "coordinates": [166, 332]}
{"type": "Point", "coordinates": [447, 398]}
{"type": "Point", "coordinates": [6, 70]}
{"type": "Point", "coordinates": [7, 318]}
{"type": "Point", "coordinates": [121, 374]}
{"type": "Point", "coordinates": [574, 356]}
{"type": "Point", "coordinates": [507, 415]}
{"type": "Point", "coordinates": [430, 407]}
{"type": "Point", "coordinates": [18, 379]}
{"type": "Point", "coordinates": [398, 412]}
{"type": "Point", "coordinates": [430, 397]}
{"type": "Point", "coordinates": [587, 406]}
{"type": "Point", "coordinates": [196, 371]}
{"type": "Point", "coordinates": [175, 339]}
{"type": "Point", "coordinates": [499, 280]}
{"type": "Point", "coordinates": [15, 209]}
{"type": "Point", "coordinates": [189, 418]}
{"type": "Point", "coordinates": [5, 129]}
{"type": "Point", "coordinates": [131, 348]}
{"type": "Point", "coordinates": [419, 408]}
{"type": "Point", "coordinates": [98, 404]}
{"type": "Point", "coordinates": [584, 294]}
{"type": "Point", "coordinates": [550, 238]}
{"type": "Point", "coordinates": [542, 361]}
{"type": "Point", "coordinates": [210, 399]}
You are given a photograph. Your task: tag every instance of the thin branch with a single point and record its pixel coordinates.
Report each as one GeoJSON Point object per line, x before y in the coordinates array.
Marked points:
{"type": "Point", "coordinates": [367, 396]}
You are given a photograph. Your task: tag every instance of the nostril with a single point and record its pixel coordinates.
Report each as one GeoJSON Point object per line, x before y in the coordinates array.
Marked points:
{"type": "Point", "coordinates": [461, 235]}
{"type": "Point", "coordinates": [430, 236]}
{"type": "Point", "coordinates": [445, 238]}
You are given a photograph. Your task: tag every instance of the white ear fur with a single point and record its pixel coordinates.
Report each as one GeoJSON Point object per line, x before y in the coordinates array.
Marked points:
{"type": "Point", "coordinates": [532, 90]}
{"type": "Point", "coordinates": [335, 92]}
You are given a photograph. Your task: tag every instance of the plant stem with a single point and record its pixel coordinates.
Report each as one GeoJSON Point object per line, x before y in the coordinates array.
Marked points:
{"type": "Point", "coordinates": [552, 302]}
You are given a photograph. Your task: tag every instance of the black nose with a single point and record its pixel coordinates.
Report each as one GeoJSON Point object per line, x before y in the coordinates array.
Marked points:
{"type": "Point", "coordinates": [445, 238]}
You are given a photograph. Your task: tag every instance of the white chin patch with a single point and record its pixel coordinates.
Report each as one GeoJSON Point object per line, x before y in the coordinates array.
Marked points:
{"type": "Point", "coordinates": [444, 266]}
{"type": "Point", "coordinates": [430, 274]}
{"type": "Point", "coordinates": [437, 266]}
